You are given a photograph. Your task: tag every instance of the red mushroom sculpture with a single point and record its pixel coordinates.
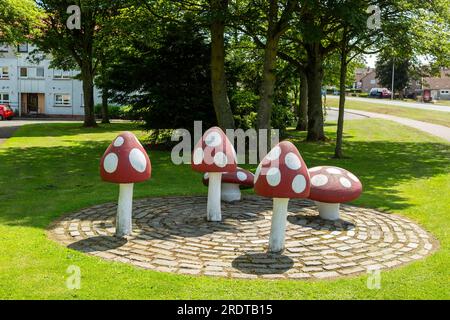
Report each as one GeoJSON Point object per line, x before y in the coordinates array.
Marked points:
{"type": "Point", "coordinates": [331, 186]}
{"type": "Point", "coordinates": [232, 183]}
{"type": "Point", "coordinates": [214, 154]}
{"type": "Point", "coordinates": [125, 162]}
{"type": "Point", "coordinates": [281, 175]}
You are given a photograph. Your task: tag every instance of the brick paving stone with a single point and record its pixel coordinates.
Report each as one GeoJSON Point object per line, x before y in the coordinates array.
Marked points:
{"type": "Point", "coordinates": [327, 274]}
{"type": "Point", "coordinates": [171, 234]}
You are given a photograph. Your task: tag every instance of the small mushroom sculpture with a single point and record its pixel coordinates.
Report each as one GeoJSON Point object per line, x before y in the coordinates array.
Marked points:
{"type": "Point", "coordinates": [331, 186]}
{"type": "Point", "coordinates": [215, 155]}
{"type": "Point", "coordinates": [125, 162]}
{"type": "Point", "coordinates": [281, 175]}
{"type": "Point", "coordinates": [232, 183]}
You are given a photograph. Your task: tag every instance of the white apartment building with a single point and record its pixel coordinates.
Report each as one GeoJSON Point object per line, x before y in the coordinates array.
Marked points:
{"type": "Point", "coordinates": [31, 88]}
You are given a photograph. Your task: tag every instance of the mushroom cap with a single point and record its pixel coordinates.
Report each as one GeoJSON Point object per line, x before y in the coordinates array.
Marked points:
{"type": "Point", "coordinates": [214, 153]}
{"type": "Point", "coordinates": [241, 177]}
{"type": "Point", "coordinates": [125, 161]}
{"type": "Point", "coordinates": [282, 173]}
{"type": "Point", "coordinates": [333, 185]}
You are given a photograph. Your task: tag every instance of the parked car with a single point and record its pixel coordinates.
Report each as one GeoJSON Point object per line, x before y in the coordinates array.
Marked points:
{"type": "Point", "coordinates": [380, 93]}
{"type": "Point", "coordinates": [426, 96]}
{"type": "Point", "coordinates": [6, 112]}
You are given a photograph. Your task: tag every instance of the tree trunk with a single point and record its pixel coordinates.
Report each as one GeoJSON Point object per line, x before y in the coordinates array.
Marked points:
{"type": "Point", "coordinates": [267, 88]}
{"type": "Point", "coordinates": [302, 123]}
{"type": "Point", "coordinates": [88, 94]}
{"type": "Point", "coordinates": [340, 124]}
{"type": "Point", "coordinates": [105, 111]}
{"type": "Point", "coordinates": [218, 78]}
{"type": "Point", "coordinates": [314, 72]}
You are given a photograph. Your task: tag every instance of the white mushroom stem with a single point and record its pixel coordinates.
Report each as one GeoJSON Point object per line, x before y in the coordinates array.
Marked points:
{"type": "Point", "coordinates": [278, 229]}
{"type": "Point", "coordinates": [124, 210]}
{"type": "Point", "coordinates": [328, 211]}
{"type": "Point", "coordinates": [231, 192]}
{"type": "Point", "coordinates": [214, 189]}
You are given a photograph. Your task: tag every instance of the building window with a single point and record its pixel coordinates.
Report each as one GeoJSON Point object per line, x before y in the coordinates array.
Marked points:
{"type": "Point", "coordinates": [60, 74]}
{"type": "Point", "coordinates": [40, 72]}
{"type": "Point", "coordinates": [3, 47]}
{"type": "Point", "coordinates": [4, 98]}
{"type": "Point", "coordinates": [373, 81]}
{"type": "Point", "coordinates": [24, 72]}
{"type": "Point", "coordinates": [23, 48]}
{"type": "Point", "coordinates": [62, 100]}
{"type": "Point", "coordinates": [4, 73]}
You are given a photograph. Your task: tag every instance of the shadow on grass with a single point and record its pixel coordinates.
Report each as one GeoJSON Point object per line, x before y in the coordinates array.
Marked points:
{"type": "Point", "coordinates": [38, 184]}
{"type": "Point", "coordinates": [70, 129]}
{"type": "Point", "coordinates": [263, 263]}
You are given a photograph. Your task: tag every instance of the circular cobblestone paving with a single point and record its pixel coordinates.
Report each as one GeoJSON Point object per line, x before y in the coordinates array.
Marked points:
{"type": "Point", "coordinates": [171, 234]}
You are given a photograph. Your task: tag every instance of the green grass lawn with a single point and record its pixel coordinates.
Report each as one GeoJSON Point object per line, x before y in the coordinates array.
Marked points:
{"type": "Point", "coordinates": [49, 170]}
{"type": "Point", "coordinates": [431, 116]}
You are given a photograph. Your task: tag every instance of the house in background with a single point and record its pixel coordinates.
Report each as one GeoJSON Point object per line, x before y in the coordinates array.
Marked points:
{"type": "Point", "coordinates": [365, 79]}
{"type": "Point", "coordinates": [439, 86]}
{"type": "Point", "coordinates": [34, 88]}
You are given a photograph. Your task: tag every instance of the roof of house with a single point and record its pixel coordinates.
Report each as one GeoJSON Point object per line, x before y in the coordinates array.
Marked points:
{"type": "Point", "coordinates": [442, 82]}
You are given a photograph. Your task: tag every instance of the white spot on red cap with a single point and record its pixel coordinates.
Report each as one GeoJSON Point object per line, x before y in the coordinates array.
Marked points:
{"type": "Point", "coordinates": [257, 172]}
{"type": "Point", "coordinates": [110, 162]}
{"type": "Point", "coordinates": [352, 176]}
{"type": "Point", "coordinates": [137, 160]}
{"type": "Point", "coordinates": [220, 159]}
{"type": "Point", "coordinates": [315, 169]}
{"type": "Point", "coordinates": [319, 180]}
{"type": "Point", "coordinates": [242, 176]}
{"type": "Point", "coordinates": [299, 184]}
{"type": "Point", "coordinates": [273, 177]}
{"type": "Point", "coordinates": [345, 182]}
{"type": "Point", "coordinates": [119, 141]}
{"type": "Point", "coordinates": [213, 139]}
{"type": "Point", "coordinates": [274, 154]}
{"type": "Point", "coordinates": [292, 161]}
{"type": "Point", "coordinates": [334, 171]}
{"type": "Point", "coordinates": [198, 156]}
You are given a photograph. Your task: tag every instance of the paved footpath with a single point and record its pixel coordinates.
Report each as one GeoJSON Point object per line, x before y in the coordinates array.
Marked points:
{"type": "Point", "coordinates": [433, 129]}
{"type": "Point", "coordinates": [171, 234]}
{"type": "Point", "coordinates": [414, 105]}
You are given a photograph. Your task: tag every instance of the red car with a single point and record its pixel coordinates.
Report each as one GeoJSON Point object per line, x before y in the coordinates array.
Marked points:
{"type": "Point", "coordinates": [6, 112]}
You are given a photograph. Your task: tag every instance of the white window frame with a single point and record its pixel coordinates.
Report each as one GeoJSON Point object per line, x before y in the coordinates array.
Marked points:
{"type": "Point", "coordinates": [62, 102]}
{"type": "Point", "coordinates": [20, 72]}
{"type": "Point", "coordinates": [3, 74]}
{"type": "Point", "coordinates": [2, 98]}
{"type": "Point", "coordinates": [61, 75]}
{"type": "Point", "coordinates": [24, 46]}
{"type": "Point", "coordinates": [3, 47]}
{"type": "Point", "coordinates": [43, 72]}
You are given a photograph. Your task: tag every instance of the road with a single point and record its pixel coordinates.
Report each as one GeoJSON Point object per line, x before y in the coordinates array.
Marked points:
{"type": "Point", "coordinates": [413, 105]}
{"type": "Point", "coordinates": [433, 129]}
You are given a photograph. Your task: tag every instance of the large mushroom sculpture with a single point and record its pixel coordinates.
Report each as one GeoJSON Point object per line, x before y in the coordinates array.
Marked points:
{"type": "Point", "coordinates": [281, 175]}
{"type": "Point", "coordinates": [232, 183]}
{"type": "Point", "coordinates": [331, 186]}
{"type": "Point", "coordinates": [125, 162]}
{"type": "Point", "coordinates": [215, 155]}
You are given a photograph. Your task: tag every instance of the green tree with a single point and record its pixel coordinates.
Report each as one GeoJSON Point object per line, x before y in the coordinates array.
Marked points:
{"type": "Point", "coordinates": [18, 18]}
{"type": "Point", "coordinates": [80, 47]}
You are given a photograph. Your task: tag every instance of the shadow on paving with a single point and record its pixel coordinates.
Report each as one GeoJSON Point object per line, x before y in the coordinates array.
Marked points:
{"type": "Point", "coordinates": [263, 263]}
{"type": "Point", "coordinates": [99, 243]}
